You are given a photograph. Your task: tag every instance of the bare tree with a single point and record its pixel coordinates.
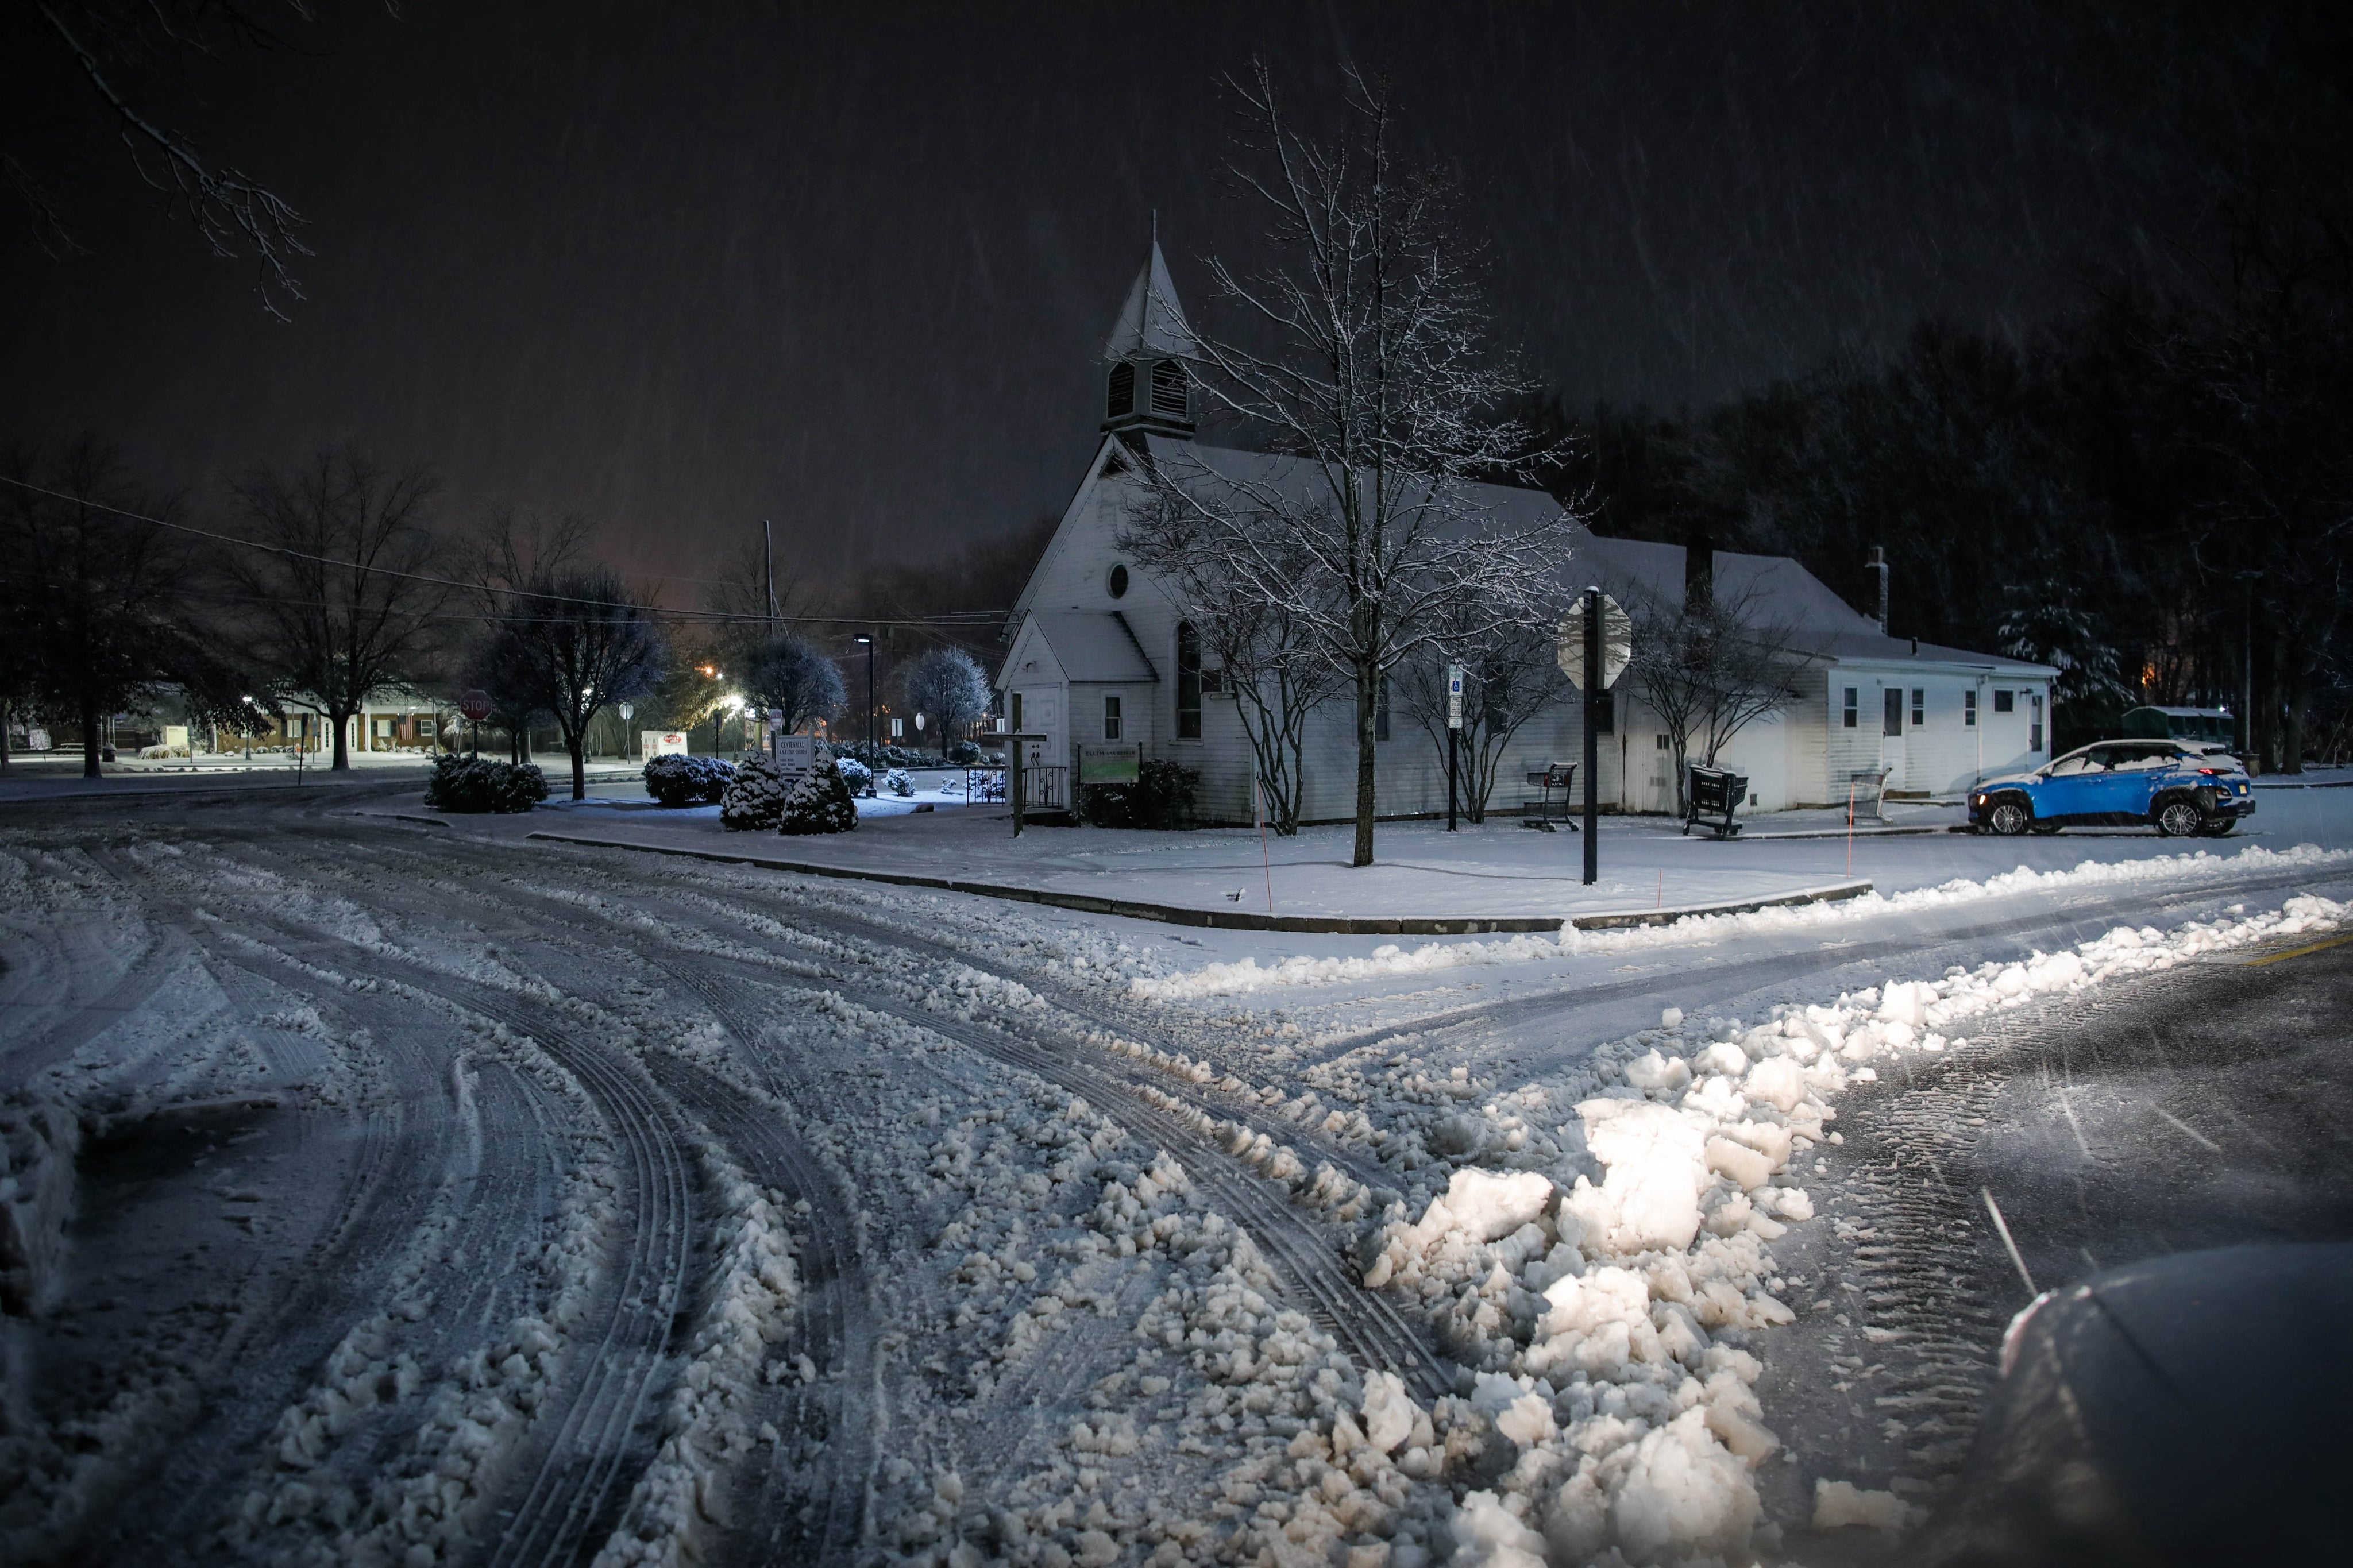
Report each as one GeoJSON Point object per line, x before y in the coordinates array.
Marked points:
{"type": "Point", "coordinates": [1268, 657]}
{"type": "Point", "coordinates": [109, 44]}
{"type": "Point", "coordinates": [341, 592]}
{"type": "Point", "coordinates": [947, 685]}
{"type": "Point", "coordinates": [787, 674]}
{"type": "Point", "coordinates": [1509, 677]}
{"type": "Point", "coordinates": [1708, 667]}
{"type": "Point", "coordinates": [579, 644]}
{"type": "Point", "coordinates": [98, 590]}
{"type": "Point", "coordinates": [1375, 385]}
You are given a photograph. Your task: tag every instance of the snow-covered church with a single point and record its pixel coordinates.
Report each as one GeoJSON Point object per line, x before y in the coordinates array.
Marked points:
{"type": "Point", "coordinates": [1102, 654]}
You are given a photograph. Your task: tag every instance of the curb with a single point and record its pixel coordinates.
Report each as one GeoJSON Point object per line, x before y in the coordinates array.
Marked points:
{"type": "Point", "coordinates": [1843, 833]}
{"type": "Point", "coordinates": [194, 795]}
{"type": "Point", "coordinates": [1240, 920]}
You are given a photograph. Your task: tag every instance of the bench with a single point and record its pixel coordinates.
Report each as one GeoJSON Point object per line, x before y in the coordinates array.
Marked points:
{"type": "Point", "coordinates": [1556, 800]}
{"type": "Point", "coordinates": [1712, 792]}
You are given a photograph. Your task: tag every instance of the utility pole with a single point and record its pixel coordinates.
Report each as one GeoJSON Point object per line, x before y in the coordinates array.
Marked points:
{"type": "Point", "coordinates": [868, 639]}
{"type": "Point", "coordinates": [768, 569]}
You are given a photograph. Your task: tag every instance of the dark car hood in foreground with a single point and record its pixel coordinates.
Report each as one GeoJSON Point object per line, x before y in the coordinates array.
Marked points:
{"type": "Point", "coordinates": [2188, 1409]}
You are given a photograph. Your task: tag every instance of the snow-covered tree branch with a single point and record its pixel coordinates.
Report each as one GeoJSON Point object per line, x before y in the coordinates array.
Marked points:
{"type": "Point", "coordinates": [1361, 355]}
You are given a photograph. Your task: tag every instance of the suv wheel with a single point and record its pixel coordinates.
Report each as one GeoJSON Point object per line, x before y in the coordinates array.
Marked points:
{"type": "Point", "coordinates": [2179, 820]}
{"type": "Point", "coordinates": [2010, 818]}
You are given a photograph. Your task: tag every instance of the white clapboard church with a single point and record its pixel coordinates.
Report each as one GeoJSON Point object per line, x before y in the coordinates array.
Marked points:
{"type": "Point", "coordinates": [1100, 653]}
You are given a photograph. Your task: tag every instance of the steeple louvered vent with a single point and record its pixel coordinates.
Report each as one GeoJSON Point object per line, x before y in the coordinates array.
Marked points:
{"type": "Point", "coordinates": [1168, 389]}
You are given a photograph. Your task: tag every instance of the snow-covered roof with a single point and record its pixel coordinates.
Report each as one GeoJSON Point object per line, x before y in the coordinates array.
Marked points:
{"type": "Point", "coordinates": [1152, 324]}
{"type": "Point", "coordinates": [1506, 506]}
{"type": "Point", "coordinates": [1091, 646]}
{"type": "Point", "coordinates": [1776, 591]}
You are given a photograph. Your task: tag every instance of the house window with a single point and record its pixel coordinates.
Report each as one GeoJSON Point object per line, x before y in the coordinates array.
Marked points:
{"type": "Point", "coordinates": [1017, 711]}
{"type": "Point", "coordinates": [1123, 389]}
{"type": "Point", "coordinates": [1664, 744]}
{"type": "Point", "coordinates": [1188, 682]}
{"type": "Point", "coordinates": [1111, 718]}
{"type": "Point", "coordinates": [1605, 713]}
{"type": "Point", "coordinates": [1847, 714]}
{"type": "Point", "coordinates": [2035, 725]}
{"type": "Point", "coordinates": [1891, 711]}
{"type": "Point", "coordinates": [1919, 708]}
{"type": "Point", "coordinates": [2001, 703]}
{"type": "Point", "coordinates": [1968, 709]}
{"type": "Point", "coordinates": [1168, 388]}
{"type": "Point", "coordinates": [1118, 583]}
{"type": "Point", "coordinates": [1381, 710]}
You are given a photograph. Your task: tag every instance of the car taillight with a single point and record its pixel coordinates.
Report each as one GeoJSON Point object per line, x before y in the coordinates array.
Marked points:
{"type": "Point", "coordinates": [2211, 772]}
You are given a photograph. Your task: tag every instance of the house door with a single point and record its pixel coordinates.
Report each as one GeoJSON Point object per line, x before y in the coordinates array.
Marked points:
{"type": "Point", "coordinates": [1891, 738]}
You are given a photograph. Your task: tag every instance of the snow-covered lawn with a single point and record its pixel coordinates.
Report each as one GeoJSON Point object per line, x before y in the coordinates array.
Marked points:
{"type": "Point", "coordinates": [1496, 868]}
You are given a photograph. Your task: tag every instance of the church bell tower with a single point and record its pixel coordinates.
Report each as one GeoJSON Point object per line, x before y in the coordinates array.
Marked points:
{"type": "Point", "coordinates": [1148, 384]}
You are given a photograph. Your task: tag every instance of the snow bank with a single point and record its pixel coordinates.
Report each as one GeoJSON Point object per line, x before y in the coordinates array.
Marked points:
{"type": "Point", "coordinates": [1608, 1326]}
{"type": "Point", "coordinates": [1248, 974]}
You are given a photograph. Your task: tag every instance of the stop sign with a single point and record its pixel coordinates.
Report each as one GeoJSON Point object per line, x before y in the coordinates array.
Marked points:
{"type": "Point", "coordinates": [475, 705]}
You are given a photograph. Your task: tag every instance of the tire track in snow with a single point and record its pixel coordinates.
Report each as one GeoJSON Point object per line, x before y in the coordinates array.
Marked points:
{"type": "Point", "coordinates": [271, 1350]}
{"type": "Point", "coordinates": [621, 1365]}
{"type": "Point", "coordinates": [1297, 1247]}
{"type": "Point", "coordinates": [1092, 1010]}
{"type": "Point", "coordinates": [844, 1411]}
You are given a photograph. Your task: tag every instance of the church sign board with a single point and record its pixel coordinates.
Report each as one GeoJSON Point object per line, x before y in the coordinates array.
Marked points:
{"type": "Point", "coordinates": [1110, 764]}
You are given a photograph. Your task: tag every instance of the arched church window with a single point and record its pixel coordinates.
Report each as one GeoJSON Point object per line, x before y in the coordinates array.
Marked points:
{"type": "Point", "coordinates": [1123, 389]}
{"type": "Point", "coordinates": [1188, 682]}
{"type": "Point", "coordinates": [1168, 388]}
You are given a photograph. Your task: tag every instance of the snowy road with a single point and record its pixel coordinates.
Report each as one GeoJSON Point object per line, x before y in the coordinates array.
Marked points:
{"type": "Point", "coordinates": [388, 1193]}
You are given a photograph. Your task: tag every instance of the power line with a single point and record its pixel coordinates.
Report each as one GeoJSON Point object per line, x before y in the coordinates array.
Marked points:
{"type": "Point", "coordinates": [951, 619]}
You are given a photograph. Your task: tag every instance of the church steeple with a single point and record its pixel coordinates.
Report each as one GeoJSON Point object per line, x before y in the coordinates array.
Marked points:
{"type": "Point", "coordinates": [1149, 387]}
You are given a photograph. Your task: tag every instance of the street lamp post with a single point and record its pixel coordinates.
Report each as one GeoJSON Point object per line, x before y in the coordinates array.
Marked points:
{"type": "Point", "coordinates": [2247, 670]}
{"type": "Point", "coordinates": [869, 640]}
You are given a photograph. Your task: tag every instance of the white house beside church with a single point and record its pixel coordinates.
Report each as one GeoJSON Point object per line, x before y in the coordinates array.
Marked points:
{"type": "Point", "coordinates": [1101, 653]}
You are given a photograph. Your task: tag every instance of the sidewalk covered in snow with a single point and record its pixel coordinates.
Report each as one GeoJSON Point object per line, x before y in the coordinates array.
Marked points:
{"type": "Point", "coordinates": [1497, 869]}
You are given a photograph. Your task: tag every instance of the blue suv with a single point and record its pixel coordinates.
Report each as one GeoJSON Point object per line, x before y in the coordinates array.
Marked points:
{"type": "Point", "coordinates": [2178, 787]}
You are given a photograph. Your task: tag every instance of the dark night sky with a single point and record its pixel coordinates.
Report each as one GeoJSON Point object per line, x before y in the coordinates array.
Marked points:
{"type": "Point", "coordinates": [677, 267]}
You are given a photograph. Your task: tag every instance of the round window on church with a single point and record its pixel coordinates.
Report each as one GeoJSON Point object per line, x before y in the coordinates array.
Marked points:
{"type": "Point", "coordinates": [1119, 582]}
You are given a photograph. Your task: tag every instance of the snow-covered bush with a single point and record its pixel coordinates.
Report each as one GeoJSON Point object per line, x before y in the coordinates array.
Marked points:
{"type": "Point", "coordinates": [820, 801]}
{"type": "Point", "coordinates": [897, 782]}
{"type": "Point", "coordinates": [754, 798]}
{"type": "Point", "coordinates": [856, 774]}
{"type": "Point", "coordinates": [964, 753]}
{"type": "Point", "coordinates": [679, 780]}
{"type": "Point", "coordinates": [888, 755]}
{"type": "Point", "coordinates": [158, 753]}
{"type": "Point", "coordinates": [1162, 798]}
{"type": "Point", "coordinates": [477, 783]}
